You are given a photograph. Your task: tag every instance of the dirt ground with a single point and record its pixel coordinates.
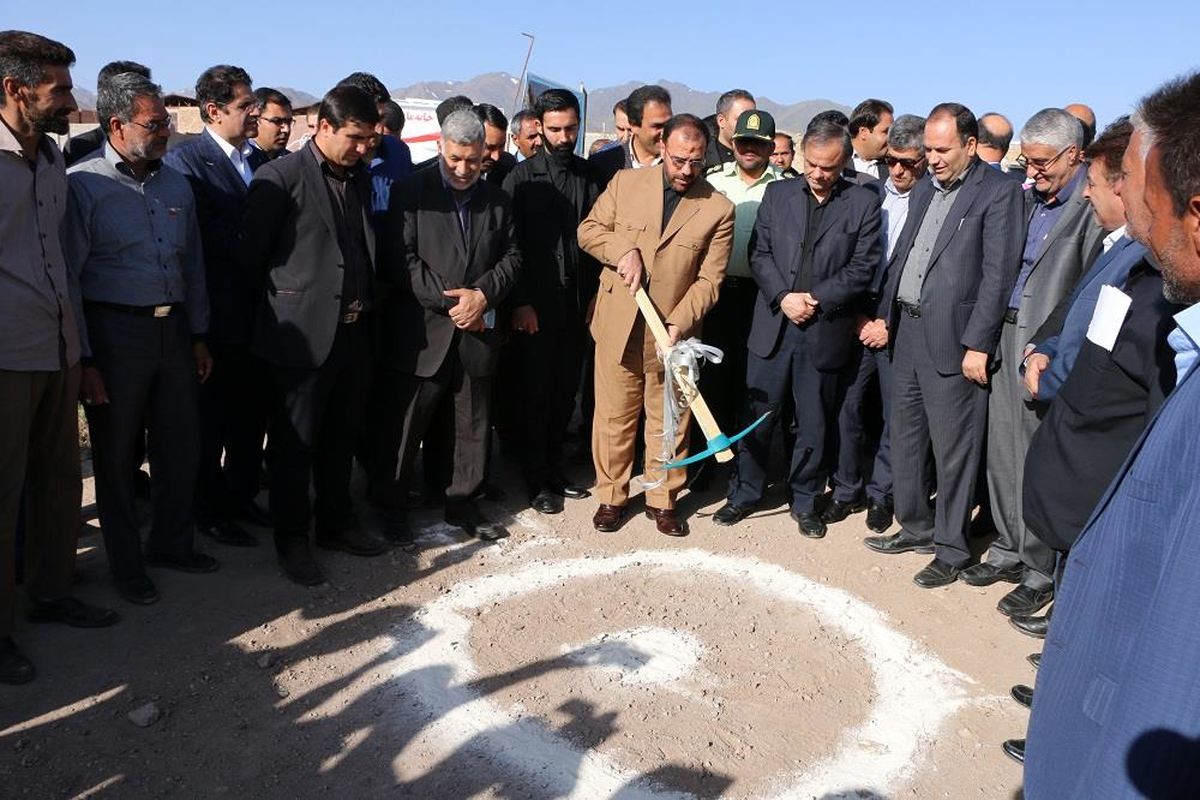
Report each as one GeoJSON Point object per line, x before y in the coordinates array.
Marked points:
{"type": "Point", "coordinates": [560, 662]}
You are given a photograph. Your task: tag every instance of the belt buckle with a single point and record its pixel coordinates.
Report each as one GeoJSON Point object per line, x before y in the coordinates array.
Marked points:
{"type": "Point", "coordinates": [162, 311]}
{"type": "Point", "coordinates": [350, 317]}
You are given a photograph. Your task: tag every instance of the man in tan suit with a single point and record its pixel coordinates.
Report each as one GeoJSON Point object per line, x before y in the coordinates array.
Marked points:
{"type": "Point", "coordinates": [667, 229]}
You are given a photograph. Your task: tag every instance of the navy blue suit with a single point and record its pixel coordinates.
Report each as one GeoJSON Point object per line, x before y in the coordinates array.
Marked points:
{"type": "Point", "coordinates": [1116, 713]}
{"type": "Point", "coordinates": [235, 399]}
{"type": "Point", "coordinates": [807, 361]}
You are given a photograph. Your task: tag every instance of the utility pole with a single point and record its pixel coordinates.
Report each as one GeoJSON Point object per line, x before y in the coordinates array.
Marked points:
{"type": "Point", "coordinates": [524, 67]}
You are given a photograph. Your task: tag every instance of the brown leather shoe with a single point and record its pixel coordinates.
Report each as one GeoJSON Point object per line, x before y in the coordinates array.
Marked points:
{"type": "Point", "coordinates": [666, 521]}
{"type": "Point", "coordinates": [608, 518]}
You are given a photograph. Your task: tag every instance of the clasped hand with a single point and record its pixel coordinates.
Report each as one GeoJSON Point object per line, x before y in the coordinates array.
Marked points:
{"type": "Point", "coordinates": [467, 313]}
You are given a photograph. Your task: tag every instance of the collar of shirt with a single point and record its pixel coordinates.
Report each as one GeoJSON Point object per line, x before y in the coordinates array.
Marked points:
{"type": "Point", "coordinates": [346, 173]}
{"type": "Point", "coordinates": [893, 191]}
{"type": "Point", "coordinates": [1113, 238]}
{"type": "Point", "coordinates": [122, 166]}
{"type": "Point", "coordinates": [730, 169]}
{"type": "Point", "coordinates": [1067, 191]}
{"type": "Point", "coordinates": [1185, 341]}
{"type": "Point", "coordinates": [862, 165]}
{"type": "Point", "coordinates": [952, 185]}
{"type": "Point", "coordinates": [10, 144]}
{"type": "Point", "coordinates": [234, 153]}
{"type": "Point", "coordinates": [634, 160]}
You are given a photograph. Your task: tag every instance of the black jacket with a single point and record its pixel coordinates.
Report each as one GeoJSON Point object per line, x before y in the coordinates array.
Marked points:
{"type": "Point", "coordinates": [546, 224]}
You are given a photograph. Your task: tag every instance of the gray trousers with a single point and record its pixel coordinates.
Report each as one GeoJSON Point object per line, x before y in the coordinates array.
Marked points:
{"type": "Point", "coordinates": [39, 447]}
{"type": "Point", "coordinates": [949, 412]}
{"type": "Point", "coordinates": [1013, 418]}
{"type": "Point", "coordinates": [149, 373]}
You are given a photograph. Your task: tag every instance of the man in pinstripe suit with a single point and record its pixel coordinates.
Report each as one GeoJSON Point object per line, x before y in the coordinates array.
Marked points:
{"type": "Point", "coordinates": [949, 280]}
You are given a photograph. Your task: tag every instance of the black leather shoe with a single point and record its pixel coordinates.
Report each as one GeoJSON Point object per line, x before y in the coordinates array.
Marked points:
{"type": "Point", "coordinates": [570, 491]}
{"type": "Point", "coordinates": [900, 542]}
{"type": "Point", "coordinates": [1022, 694]}
{"type": "Point", "coordinates": [139, 590]}
{"type": "Point", "coordinates": [936, 573]}
{"type": "Point", "coordinates": [1015, 749]}
{"type": "Point", "coordinates": [195, 563]}
{"type": "Point", "coordinates": [837, 510]}
{"type": "Point", "coordinates": [70, 611]}
{"type": "Point", "coordinates": [354, 541]}
{"type": "Point", "coordinates": [250, 511]}
{"type": "Point", "coordinates": [879, 517]}
{"type": "Point", "coordinates": [1035, 659]}
{"type": "Point", "coordinates": [397, 533]}
{"type": "Point", "coordinates": [227, 532]}
{"type": "Point", "coordinates": [297, 562]}
{"type": "Point", "coordinates": [810, 524]}
{"type": "Point", "coordinates": [14, 667]}
{"type": "Point", "coordinates": [729, 514]}
{"type": "Point", "coordinates": [985, 574]}
{"type": "Point", "coordinates": [1032, 626]}
{"type": "Point", "coordinates": [470, 520]}
{"type": "Point", "coordinates": [547, 502]}
{"type": "Point", "coordinates": [1025, 601]}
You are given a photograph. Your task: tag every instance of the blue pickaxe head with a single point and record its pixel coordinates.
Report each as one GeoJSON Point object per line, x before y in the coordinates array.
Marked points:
{"type": "Point", "coordinates": [716, 445]}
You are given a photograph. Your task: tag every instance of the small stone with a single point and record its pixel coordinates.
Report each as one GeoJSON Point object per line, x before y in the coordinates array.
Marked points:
{"type": "Point", "coordinates": [29, 760]}
{"type": "Point", "coordinates": [20, 745]}
{"type": "Point", "coordinates": [145, 715]}
{"type": "Point", "coordinates": [265, 661]}
{"type": "Point", "coordinates": [281, 690]}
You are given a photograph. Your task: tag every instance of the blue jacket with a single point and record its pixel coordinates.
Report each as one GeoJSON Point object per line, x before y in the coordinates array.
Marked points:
{"type": "Point", "coordinates": [1116, 712]}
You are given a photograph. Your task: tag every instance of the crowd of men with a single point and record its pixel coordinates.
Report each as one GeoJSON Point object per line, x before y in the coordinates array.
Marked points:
{"type": "Point", "coordinates": [931, 331]}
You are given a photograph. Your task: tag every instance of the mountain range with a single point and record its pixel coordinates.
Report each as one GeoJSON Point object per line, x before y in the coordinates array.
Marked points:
{"type": "Point", "coordinates": [499, 89]}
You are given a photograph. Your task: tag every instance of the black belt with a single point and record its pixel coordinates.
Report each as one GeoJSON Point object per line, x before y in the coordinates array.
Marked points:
{"type": "Point", "coordinates": [737, 282]}
{"type": "Point", "coordinates": [911, 310]}
{"type": "Point", "coordinates": [1010, 316]}
{"type": "Point", "coordinates": [165, 310]}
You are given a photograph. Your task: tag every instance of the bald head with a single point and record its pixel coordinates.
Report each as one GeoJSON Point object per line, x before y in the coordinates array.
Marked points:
{"type": "Point", "coordinates": [1087, 117]}
{"type": "Point", "coordinates": [995, 136]}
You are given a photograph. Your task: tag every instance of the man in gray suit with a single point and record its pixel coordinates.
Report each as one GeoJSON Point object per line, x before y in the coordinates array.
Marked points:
{"type": "Point", "coordinates": [1062, 239]}
{"type": "Point", "coordinates": [950, 278]}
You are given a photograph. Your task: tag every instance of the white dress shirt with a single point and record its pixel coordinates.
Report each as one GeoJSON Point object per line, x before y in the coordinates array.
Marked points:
{"type": "Point", "coordinates": [238, 156]}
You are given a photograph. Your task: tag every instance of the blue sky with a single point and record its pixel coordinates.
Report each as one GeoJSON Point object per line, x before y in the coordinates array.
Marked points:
{"type": "Point", "coordinates": [1011, 58]}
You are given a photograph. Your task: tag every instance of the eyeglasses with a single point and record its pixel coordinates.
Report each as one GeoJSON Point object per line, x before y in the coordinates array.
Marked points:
{"type": "Point", "coordinates": [680, 163]}
{"type": "Point", "coordinates": [155, 125]}
{"type": "Point", "coordinates": [1038, 164]}
{"type": "Point", "coordinates": [907, 163]}
{"type": "Point", "coordinates": [278, 121]}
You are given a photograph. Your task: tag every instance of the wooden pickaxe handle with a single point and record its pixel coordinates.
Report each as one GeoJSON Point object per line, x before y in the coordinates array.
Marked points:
{"type": "Point", "coordinates": [704, 418]}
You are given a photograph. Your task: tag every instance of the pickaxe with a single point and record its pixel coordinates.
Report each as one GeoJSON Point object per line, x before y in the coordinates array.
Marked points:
{"type": "Point", "coordinates": [718, 443]}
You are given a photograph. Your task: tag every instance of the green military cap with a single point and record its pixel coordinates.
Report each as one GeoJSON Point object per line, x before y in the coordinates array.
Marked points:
{"type": "Point", "coordinates": [755, 124]}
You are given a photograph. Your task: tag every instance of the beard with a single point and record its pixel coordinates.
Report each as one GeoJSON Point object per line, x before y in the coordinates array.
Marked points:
{"type": "Point", "coordinates": [1181, 281]}
{"type": "Point", "coordinates": [57, 121]}
{"type": "Point", "coordinates": [1179, 291]}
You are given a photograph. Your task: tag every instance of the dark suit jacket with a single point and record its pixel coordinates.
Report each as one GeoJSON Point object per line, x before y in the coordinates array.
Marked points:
{"type": "Point", "coordinates": [85, 144]}
{"type": "Point", "coordinates": [431, 257]}
{"type": "Point", "coordinates": [289, 240]}
{"type": "Point", "coordinates": [233, 294]}
{"type": "Point", "coordinates": [974, 265]}
{"type": "Point", "coordinates": [546, 222]}
{"type": "Point", "coordinates": [1103, 407]}
{"type": "Point", "coordinates": [609, 162]}
{"type": "Point", "coordinates": [846, 252]}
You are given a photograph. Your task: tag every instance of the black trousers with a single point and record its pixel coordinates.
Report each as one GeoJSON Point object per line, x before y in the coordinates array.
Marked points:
{"type": "Point", "coordinates": [319, 415]}
{"type": "Point", "coordinates": [149, 373]}
{"type": "Point", "coordinates": [547, 377]}
{"type": "Point", "coordinates": [415, 401]}
{"type": "Point", "coordinates": [234, 406]}
{"type": "Point", "coordinates": [723, 385]}
{"type": "Point", "coordinates": [39, 450]}
{"type": "Point", "coordinates": [864, 444]}
{"type": "Point", "coordinates": [817, 395]}
{"type": "Point", "coordinates": [948, 412]}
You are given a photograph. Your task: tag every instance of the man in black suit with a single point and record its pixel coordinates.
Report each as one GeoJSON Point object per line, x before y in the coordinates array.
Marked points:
{"type": "Point", "coordinates": [497, 162]}
{"type": "Point", "coordinates": [85, 144]}
{"type": "Point", "coordinates": [219, 164]}
{"type": "Point", "coordinates": [552, 192]}
{"type": "Point", "coordinates": [815, 247]}
{"type": "Point", "coordinates": [949, 282]}
{"type": "Point", "coordinates": [456, 263]}
{"type": "Point", "coordinates": [308, 232]}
